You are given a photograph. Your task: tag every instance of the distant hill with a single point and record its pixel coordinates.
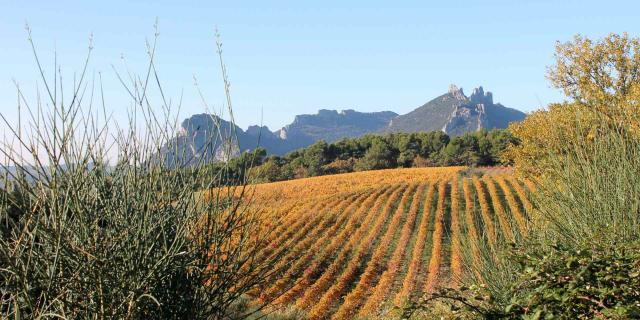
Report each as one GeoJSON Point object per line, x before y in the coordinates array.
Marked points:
{"type": "Point", "coordinates": [202, 137]}
{"type": "Point", "coordinates": [198, 139]}
{"type": "Point", "coordinates": [331, 125]}
{"type": "Point", "coordinates": [453, 113]}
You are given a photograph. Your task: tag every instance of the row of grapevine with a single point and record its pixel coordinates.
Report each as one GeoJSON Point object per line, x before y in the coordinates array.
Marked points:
{"type": "Point", "coordinates": [357, 248]}
{"type": "Point", "coordinates": [368, 278]}
{"type": "Point", "coordinates": [514, 206]}
{"type": "Point", "coordinates": [308, 265]}
{"type": "Point", "coordinates": [530, 185]}
{"type": "Point", "coordinates": [522, 194]}
{"type": "Point", "coordinates": [297, 231]}
{"type": "Point", "coordinates": [290, 226]}
{"type": "Point", "coordinates": [388, 276]}
{"type": "Point", "coordinates": [347, 183]}
{"type": "Point", "coordinates": [301, 254]}
{"type": "Point", "coordinates": [409, 282]}
{"type": "Point", "coordinates": [436, 250]}
{"type": "Point", "coordinates": [456, 263]}
{"type": "Point", "coordinates": [469, 214]}
{"type": "Point", "coordinates": [487, 220]}
{"type": "Point", "coordinates": [498, 209]}
{"type": "Point", "coordinates": [337, 245]}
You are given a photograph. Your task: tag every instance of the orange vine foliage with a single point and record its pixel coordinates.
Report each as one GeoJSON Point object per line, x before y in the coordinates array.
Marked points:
{"type": "Point", "coordinates": [436, 249]}
{"type": "Point", "coordinates": [369, 277]}
{"type": "Point", "coordinates": [513, 204]}
{"type": "Point", "coordinates": [410, 279]}
{"type": "Point", "coordinates": [469, 214]}
{"type": "Point", "coordinates": [498, 209]}
{"type": "Point", "coordinates": [333, 235]}
{"type": "Point", "coordinates": [337, 244]}
{"type": "Point", "coordinates": [358, 257]}
{"type": "Point", "coordinates": [456, 263]}
{"type": "Point", "coordinates": [301, 251]}
{"type": "Point", "coordinates": [389, 275]}
{"type": "Point", "coordinates": [484, 210]}
{"type": "Point", "coordinates": [530, 185]}
{"type": "Point", "coordinates": [522, 194]}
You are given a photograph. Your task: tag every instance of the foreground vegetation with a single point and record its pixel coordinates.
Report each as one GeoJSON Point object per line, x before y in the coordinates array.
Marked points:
{"type": "Point", "coordinates": [83, 239]}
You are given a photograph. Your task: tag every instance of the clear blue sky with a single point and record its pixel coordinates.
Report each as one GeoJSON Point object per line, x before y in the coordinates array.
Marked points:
{"type": "Point", "coordinates": [289, 58]}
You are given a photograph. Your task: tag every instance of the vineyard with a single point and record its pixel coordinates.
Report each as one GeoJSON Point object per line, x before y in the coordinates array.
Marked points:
{"type": "Point", "coordinates": [355, 245]}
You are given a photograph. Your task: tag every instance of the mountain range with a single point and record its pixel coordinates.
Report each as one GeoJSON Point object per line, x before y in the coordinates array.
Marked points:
{"type": "Point", "coordinates": [453, 112]}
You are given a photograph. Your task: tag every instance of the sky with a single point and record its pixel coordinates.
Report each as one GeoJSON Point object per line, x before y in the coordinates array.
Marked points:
{"type": "Point", "coordinates": [294, 57]}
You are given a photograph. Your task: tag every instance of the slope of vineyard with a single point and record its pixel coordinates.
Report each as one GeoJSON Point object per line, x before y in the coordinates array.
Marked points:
{"type": "Point", "coordinates": [356, 245]}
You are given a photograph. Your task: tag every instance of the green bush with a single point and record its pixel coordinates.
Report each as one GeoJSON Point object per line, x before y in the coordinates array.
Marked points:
{"type": "Point", "coordinates": [579, 284]}
{"type": "Point", "coordinates": [380, 155]}
{"type": "Point", "coordinates": [560, 283]}
{"type": "Point", "coordinates": [592, 194]}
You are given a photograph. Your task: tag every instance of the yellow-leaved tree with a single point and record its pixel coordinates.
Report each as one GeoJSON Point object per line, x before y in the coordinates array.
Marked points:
{"type": "Point", "coordinates": [602, 81]}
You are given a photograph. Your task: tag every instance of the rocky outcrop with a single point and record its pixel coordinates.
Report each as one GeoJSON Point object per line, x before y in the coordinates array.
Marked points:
{"type": "Point", "coordinates": [480, 113]}
{"type": "Point", "coordinates": [258, 131]}
{"type": "Point", "coordinates": [332, 125]}
{"type": "Point", "coordinates": [479, 97]}
{"type": "Point", "coordinates": [282, 134]}
{"type": "Point", "coordinates": [466, 118]}
{"type": "Point", "coordinates": [455, 114]}
{"type": "Point", "coordinates": [456, 92]}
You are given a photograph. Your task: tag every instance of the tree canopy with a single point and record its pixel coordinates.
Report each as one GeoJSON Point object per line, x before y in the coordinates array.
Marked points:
{"type": "Point", "coordinates": [601, 78]}
{"type": "Point", "coordinates": [394, 150]}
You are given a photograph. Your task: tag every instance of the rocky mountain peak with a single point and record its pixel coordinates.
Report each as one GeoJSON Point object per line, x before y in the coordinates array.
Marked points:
{"type": "Point", "coordinates": [282, 133]}
{"type": "Point", "coordinates": [478, 96]}
{"type": "Point", "coordinates": [256, 130]}
{"type": "Point", "coordinates": [455, 114]}
{"type": "Point", "coordinates": [456, 92]}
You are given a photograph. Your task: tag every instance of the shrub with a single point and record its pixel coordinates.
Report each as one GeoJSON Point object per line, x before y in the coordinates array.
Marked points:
{"type": "Point", "coordinates": [586, 283]}
{"type": "Point", "coordinates": [592, 195]}
{"type": "Point", "coordinates": [339, 166]}
{"type": "Point", "coordinates": [82, 238]}
{"type": "Point", "coordinates": [601, 79]}
{"type": "Point", "coordinates": [378, 156]}
{"type": "Point", "coordinates": [560, 283]}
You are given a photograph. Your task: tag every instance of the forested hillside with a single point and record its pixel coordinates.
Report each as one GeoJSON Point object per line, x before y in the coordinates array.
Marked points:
{"type": "Point", "coordinates": [372, 152]}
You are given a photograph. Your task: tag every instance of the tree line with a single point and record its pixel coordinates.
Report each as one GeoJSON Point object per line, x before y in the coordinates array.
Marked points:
{"type": "Point", "coordinates": [372, 152]}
